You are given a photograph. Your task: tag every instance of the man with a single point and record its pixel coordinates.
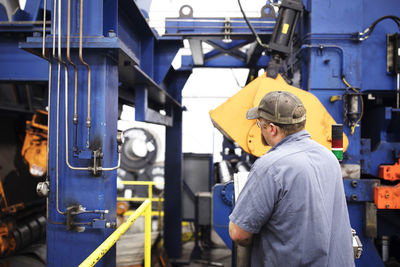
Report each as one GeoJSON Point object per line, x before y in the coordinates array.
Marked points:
{"type": "Point", "coordinates": [292, 210]}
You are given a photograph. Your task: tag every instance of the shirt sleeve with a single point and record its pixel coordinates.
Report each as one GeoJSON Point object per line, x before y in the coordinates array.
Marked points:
{"type": "Point", "coordinates": [256, 201]}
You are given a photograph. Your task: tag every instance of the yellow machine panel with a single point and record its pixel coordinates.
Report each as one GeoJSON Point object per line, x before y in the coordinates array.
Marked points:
{"type": "Point", "coordinates": [230, 117]}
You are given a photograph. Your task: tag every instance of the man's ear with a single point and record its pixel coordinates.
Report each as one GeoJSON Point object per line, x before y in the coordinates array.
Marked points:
{"type": "Point", "coordinates": [274, 129]}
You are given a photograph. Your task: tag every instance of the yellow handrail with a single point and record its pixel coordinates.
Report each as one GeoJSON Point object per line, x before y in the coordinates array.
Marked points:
{"type": "Point", "coordinates": [154, 213]}
{"type": "Point", "coordinates": [112, 239]}
{"type": "Point", "coordinates": [139, 199]}
{"type": "Point", "coordinates": [141, 183]}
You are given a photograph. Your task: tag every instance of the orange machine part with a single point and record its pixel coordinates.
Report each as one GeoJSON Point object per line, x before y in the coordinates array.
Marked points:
{"type": "Point", "coordinates": [390, 172]}
{"type": "Point", "coordinates": [387, 197]}
{"type": "Point", "coordinates": [122, 207]}
{"type": "Point", "coordinates": [34, 149]}
{"type": "Point", "coordinates": [3, 199]}
{"type": "Point", "coordinates": [7, 241]}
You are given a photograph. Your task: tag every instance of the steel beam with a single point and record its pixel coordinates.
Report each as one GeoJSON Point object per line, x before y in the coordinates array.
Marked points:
{"type": "Point", "coordinates": [197, 51]}
{"type": "Point", "coordinates": [175, 81]}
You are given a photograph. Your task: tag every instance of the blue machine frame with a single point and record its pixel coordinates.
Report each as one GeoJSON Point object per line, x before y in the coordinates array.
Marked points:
{"type": "Point", "coordinates": [128, 61]}
{"type": "Point", "coordinates": [324, 67]}
{"type": "Point", "coordinates": [132, 64]}
{"type": "Point", "coordinates": [328, 52]}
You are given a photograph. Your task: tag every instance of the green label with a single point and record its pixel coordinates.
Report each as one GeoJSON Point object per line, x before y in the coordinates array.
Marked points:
{"type": "Point", "coordinates": [338, 153]}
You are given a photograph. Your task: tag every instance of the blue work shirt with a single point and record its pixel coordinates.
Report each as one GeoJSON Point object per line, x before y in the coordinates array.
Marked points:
{"type": "Point", "coordinates": [294, 205]}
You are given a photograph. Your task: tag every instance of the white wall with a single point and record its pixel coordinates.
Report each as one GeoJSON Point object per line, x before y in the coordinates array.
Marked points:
{"type": "Point", "coordinates": [206, 89]}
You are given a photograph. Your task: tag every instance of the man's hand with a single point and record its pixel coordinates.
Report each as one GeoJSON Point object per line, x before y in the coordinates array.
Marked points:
{"type": "Point", "coordinates": [240, 236]}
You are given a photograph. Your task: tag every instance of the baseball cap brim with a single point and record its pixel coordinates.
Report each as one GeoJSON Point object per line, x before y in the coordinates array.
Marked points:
{"type": "Point", "coordinates": [252, 114]}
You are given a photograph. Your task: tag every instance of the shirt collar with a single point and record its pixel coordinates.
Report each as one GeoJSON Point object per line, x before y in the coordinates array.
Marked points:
{"type": "Point", "coordinates": [303, 134]}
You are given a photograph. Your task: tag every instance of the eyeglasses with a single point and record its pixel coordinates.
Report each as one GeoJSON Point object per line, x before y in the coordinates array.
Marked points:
{"type": "Point", "coordinates": [259, 124]}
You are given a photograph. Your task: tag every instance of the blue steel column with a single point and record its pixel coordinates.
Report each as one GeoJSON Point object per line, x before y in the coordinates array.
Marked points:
{"type": "Point", "coordinates": [66, 247]}
{"type": "Point", "coordinates": [173, 171]}
{"type": "Point", "coordinates": [69, 248]}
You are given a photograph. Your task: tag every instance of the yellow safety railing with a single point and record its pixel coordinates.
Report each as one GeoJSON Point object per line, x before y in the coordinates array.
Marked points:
{"type": "Point", "coordinates": [113, 238]}
{"type": "Point", "coordinates": [146, 209]}
{"type": "Point", "coordinates": [140, 199]}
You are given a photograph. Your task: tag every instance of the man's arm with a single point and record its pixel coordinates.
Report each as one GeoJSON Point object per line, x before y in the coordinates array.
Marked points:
{"type": "Point", "coordinates": [240, 236]}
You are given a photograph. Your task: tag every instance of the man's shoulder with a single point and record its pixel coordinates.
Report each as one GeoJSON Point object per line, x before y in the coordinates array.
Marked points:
{"type": "Point", "coordinates": [295, 153]}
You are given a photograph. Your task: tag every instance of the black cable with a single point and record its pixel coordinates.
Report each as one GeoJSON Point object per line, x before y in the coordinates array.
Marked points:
{"type": "Point", "coordinates": [252, 28]}
{"type": "Point", "coordinates": [394, 18]}
{"type": "Point", "coordinates": [368, 31]}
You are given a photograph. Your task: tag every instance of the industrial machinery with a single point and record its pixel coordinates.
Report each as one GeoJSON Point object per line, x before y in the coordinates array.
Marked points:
{"type": "Point", "coordinates": [84, 59]}
{"type": "Point", "coordinates": [140, 151]}
{"type": "Point", "coordinates": [341, 86]}
{"type": "Point", "coordinates": [34, 150]}
{"type": "Point", "coordinates": [22, 212]}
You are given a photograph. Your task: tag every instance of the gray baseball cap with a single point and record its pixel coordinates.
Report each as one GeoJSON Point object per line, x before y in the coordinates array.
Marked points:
{"type": "Point", "coordinates": [280, 107]}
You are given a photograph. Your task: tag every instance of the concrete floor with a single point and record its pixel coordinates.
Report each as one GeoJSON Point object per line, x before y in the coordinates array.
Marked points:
{"type": "Point", "coordinates": [218, 255]}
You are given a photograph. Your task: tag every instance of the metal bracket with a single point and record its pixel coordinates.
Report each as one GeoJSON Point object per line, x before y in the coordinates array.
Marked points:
{"type": "Point", "coordinates": [227, 31]}
{"type": "Point", "coordinates": [360, 190]}
{"type": "Point", "coordinates": [144, 113]}
{"type": "Point", "coordinates": [357, 246]}
{"type": "Point", "coordinates": [73, 225]}
{"type": "Point", "coordinates": [70, 223]}
{"type": "Point", "coordinates": [97, 157]}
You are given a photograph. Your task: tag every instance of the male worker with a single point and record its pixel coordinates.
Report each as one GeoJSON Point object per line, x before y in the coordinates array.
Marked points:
{"type": "Point", "coordinates": [292, 209]}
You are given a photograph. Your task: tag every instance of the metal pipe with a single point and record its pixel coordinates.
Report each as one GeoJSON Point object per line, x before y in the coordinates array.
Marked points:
{"type": "Point", "coordinates": [210, 34]}
{"type": "Point", "coordinates": [66, 139]}
{"type": "Point", "coordinates": [88, 119]}
{"type": "Point", "coordinates": [59, 34]}
{"type": "Point", "coordinates": [66, 144]}
{"type": "Point", "coordinates": [48, 134]}
{"type": "Point", "coordinates": [44, 30]}
{"type": "Point", "coordinates": [114, 237]}
{"type": "Point", "coordinates": [116, 167]}
{"type": "Point", "coordinates": [58, 100]}
{"type": "Point", "coordinates": [215, 27]}
{"type": "Point", "coordinates": [59, 59]}
{"type": "Point", "coordinates": [54, 27]}
{"type": "Point", "coordinates": [57, 139]}
{"type": "Point", "coordinates": [48, 99]}
{"type": "Point", "coordinates": [323, 46]}
{"type": "Point", "coordinates": [218, 20]}
{"type": "Point", "coordinates": [75, 118]}
{"type": "Point", "coordinates": [66, 99]}
{"type": "Point", "coordinates": [24, 22]}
